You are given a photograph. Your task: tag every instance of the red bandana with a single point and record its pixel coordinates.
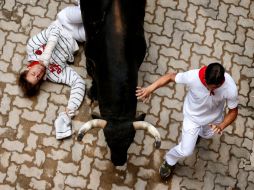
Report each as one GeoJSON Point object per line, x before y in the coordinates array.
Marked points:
{"type": "Point", "coordinates": [33, 63]}
{"type": "Point", "coordinates": [201, 75]}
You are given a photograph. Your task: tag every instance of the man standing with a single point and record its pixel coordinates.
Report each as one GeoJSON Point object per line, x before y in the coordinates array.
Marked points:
{"type": "Point", "coordinates": [209, 88]}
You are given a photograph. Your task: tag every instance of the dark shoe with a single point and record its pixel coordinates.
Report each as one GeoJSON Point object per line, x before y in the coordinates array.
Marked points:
{"type": "Point", "coordinates": [198, 140]}
{"type": "Point", "coordinates": [165, 170]}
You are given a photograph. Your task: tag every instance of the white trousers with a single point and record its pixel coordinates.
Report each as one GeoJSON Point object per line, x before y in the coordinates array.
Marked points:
{"type": "Point", "coordinates": [71, 20]}
{"type": "Point", "coordinates": [190, 133]}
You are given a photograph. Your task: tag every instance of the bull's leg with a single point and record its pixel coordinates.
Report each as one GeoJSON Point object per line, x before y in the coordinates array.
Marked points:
{"type": "Point", "coordinates": [92, 92]}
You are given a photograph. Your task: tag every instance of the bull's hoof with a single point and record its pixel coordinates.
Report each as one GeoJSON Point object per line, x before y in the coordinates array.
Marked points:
{"type": "Point", "coordinates": [80, 136]}
{"type": "Point", "coordinates": [157, 144]}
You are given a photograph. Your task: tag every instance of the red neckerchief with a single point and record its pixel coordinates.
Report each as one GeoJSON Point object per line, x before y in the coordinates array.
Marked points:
{"type": "Point", "coordinates": [201, 75]}
{"type": "Point", "coordinates": [33, 63]}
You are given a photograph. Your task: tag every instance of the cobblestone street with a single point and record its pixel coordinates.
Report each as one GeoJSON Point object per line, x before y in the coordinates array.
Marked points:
{"type": "Point", "coordinates": [180, 35]}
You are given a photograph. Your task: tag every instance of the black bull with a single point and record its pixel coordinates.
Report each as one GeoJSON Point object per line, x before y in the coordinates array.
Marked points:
{"type": "Point", "coordinates": [115, 48]}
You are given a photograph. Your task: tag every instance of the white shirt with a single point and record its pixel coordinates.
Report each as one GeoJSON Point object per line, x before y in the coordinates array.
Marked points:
{"type": "Point", "coordinates": [201, 107]}
{"type": "Point", "coordinates": [58, 70]}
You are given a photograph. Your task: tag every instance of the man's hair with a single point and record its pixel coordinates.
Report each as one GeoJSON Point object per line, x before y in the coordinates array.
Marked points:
{"type": "Point", "coordinates": [28, 88]}
{"type": "Point", "coordinates": [214, 74]}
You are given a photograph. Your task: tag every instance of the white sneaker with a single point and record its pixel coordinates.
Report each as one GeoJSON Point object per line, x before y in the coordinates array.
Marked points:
{"type": "Point", "coordinates": [63, 126]}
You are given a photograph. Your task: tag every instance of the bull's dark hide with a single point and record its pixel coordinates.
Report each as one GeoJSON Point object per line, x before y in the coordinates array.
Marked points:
{"type": "Point", "coordinates": [114, 49]}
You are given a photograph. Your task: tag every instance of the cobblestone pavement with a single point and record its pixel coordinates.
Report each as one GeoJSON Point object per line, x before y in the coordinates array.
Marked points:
{"type": "Point", "coordinates": [181, 35]}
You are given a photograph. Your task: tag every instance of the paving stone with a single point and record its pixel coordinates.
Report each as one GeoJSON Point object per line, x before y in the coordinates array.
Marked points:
{"type": "Point", "coordinates": [162, 68]}
{"type": "Point", "coordinates": [12, 173]}
{"type": "Point", "coordinates": [160, 12]}
{"type": "Point", "coordinates": [39, 158]}
{"type": "Point", "coordinates": [199, 169]}
{"type": "Point", "coordinates": [50, 142]}
{"type": "Point", "coordinates": [31, 171]}
{"type": "Point", "coordinates": [59, 180]}
{"type": "Point", "coordinates": [50, 114]}
{"type": "Point", "coordinates": [233, 166]}
{"type": "Point", "coordinates": [168, 29]}
{"type": "Point", "coordinates": [13, 145]}
{"type": "Point", "coordinates": [250, 186]}
{"type": "Point", "coordinates": [39, 184]}
{"type": "Point", "coordinates": [75, 182]}
{"type": "Point", "coordinates": [240, 152]}
{"type": "Point", "coordinates": [192, 184]}
{"type": "Point", "coordinates": [67, 168]}
{"type": "Point", "coordinates": [77, 152]}
{"type": "Point", "coordinates": [41, 129]}
{"type": "Point", "coordinates": [186, 51]}
{"type": "Point", "coordinates": [231, 24]}
{"type": "Point", "coordinates": [206, 12]}
{"type": "Point", "coordinates": [160, 187]}
{"type": "Point", "coordinates": [22, 102]}
{"type": "Point", "coordinates": [169, 52]}
{"type": "Point", "coordinates": [178, 116]}
{"type": "Point", "coordinates": [57, 155]}
{"type": "Point", "coordinates": [139, 136]}
{"type": "Point", "coordinates": [6, 187]}
{"type": "Point", "coordinates": [159, 39]}
{"type": "Point", "coordinates": [4, 161]}
{"type": "Point", "coordinates": [2, 177]}
{"type": "Point", "coordinates": [223, 11]}
{"type": "Point", "coordinates": [209, 179]}
{"type": "Point", "coordinates": [146, 173]}
{"type": "Point", "coordinates": [14, 118]}
{"type": "Point", "coordinates": [234, 48]}
{"type": "Point", "coordinates": [225, 181]}
{"type": "Point", "coordinates": [155, 101]}
{"type": "Point", "coordinates": [184, 171]}
{"type": "Point", "coordinates": [180, 35]}
{"type": "Point", "coordinates": [140, 184]}
{"type": "Point", "coordinates": [51, 13]}
{"type": "Point", "coordinates": [148, 145]}
{"type": "Point", "coordinates": [85, 166]}
{"type": "Point", "coordinates": [172, 104]}
{"type": "Point", "coordinates": [208, 155]}
{"type": "Point", "coordinates": [203, 50]}
{"type": "Point", "coordinates": [138, 160]}
{"type": "Point", "coordinates": [241, 179]}
{"type": "Point", "coordinates": [217, 168]}
{"type": "Point", "coordinates": [115, 187]}
{"type": "Point", "coordinates": [20, 158]}
{"type": "Point", "coordinates": [135, 149]}
{"type": "Point", "coordinates": [94, 179]}
{"type": "Point", "coordinates": [209, 36]}
{"type": "Point", "coordinates": [218, 49]}
{"type": "Point", "coordinates": [224, 153]}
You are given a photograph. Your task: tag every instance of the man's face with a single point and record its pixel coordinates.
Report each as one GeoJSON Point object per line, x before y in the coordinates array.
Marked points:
{"type": "Point", "coordinates": [35, 73]}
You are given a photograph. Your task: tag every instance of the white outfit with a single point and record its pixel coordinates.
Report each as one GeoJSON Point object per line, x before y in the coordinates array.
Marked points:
{"type": "Point", "coordinates": [55, 46]}
{"type": "Point", "coordinates": [201, 109]}
{"type": "Point", "coordinates": [58, 71]}
{"type": "Point", "coordinates": [71, 19]}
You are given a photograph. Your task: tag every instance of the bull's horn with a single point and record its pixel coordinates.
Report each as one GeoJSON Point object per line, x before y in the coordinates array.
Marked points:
{"type": "Point", "coordinates": [88, 125]}
{"type": "Point", "coordinates": [151, 129]}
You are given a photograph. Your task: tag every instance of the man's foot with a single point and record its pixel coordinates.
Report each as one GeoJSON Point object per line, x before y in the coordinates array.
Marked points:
{"type": "Point", "coordinates": [165, 170]}
{"type": "Point", "coordinates": [198, 140]}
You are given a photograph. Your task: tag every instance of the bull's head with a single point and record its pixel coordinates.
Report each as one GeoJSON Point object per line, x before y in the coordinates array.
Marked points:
{"type": "Point", "coordinates": [119, 136]}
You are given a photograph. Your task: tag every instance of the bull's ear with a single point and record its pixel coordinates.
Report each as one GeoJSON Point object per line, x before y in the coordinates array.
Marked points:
{"type": "Point", "coordinates": [141, 117]}
{"type": "Point", "coordinates": [95, 116]}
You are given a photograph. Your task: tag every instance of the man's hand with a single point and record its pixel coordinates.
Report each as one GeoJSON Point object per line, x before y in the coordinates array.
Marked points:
{"type": "Point", "coordinates": [143, 94]}
{"type": "Point", "coordinates": [216, 128]}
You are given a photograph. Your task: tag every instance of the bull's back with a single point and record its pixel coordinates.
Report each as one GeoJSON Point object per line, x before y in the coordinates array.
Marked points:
{"type": "Point", "coordinates": [115, 43]}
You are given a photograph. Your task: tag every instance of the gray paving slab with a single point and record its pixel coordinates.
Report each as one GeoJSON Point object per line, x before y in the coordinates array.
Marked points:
{"type": "Point", "coordinates": [181, 35]}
